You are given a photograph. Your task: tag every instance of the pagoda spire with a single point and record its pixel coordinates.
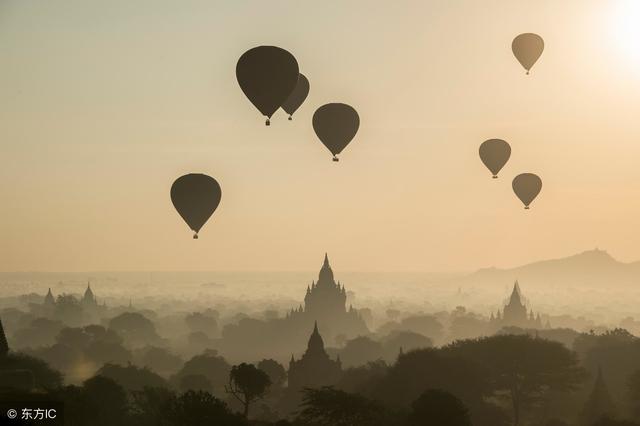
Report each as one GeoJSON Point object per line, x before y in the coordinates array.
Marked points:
{"type": "Point", "coordinates": [326, 260]}
{"type": "Point", "coordinates": [48, 299]}
{"type": "Point", "coordinates": [316, 344]}
{"type": "Point", "coordinates": [516, 295]}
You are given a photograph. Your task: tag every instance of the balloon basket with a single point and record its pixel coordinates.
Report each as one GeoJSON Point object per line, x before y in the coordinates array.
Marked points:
{"type": "Point", "coordinates": [290, 118]}
{"type": "Point", "coordinates": [267, 123]}
{"type": "Point", "coordinates": [495, 176]}
{"type": "Point", "coordinates": [526, 207]}
{"type": "Point", "coordinates": [335, 158]}
{"type": "Point", "coordinates": [195, 236]}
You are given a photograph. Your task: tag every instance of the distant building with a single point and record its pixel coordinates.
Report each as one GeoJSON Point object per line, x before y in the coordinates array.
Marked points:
{"type": "Point", "coordinates": [325, 302]}
{"type": "Point", "coordinates": [49, 300]}
{"type": "Point", "coordinates": [4, 346]}
{"type": "Point", "coordinates": [315, 368]}
{"type": "Point", "coordinates": [599, 404]}
{"type": "Point", "coordinates": [89, 299]}
{"type": "Point", "coordinates": [515, 313]}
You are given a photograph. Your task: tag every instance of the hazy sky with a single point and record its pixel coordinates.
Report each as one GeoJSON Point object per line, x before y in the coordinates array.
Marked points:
{"type": "Point", "coordinates": [104, 103]}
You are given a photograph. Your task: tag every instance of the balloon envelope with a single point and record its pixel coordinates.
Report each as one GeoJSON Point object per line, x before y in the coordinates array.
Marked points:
{"type": "Point", "coordinates": [267, 75]}
{"type": "Point", "coordinates": [336, 125]}
{"type": "Point", "coordinates": [495, 153]}
{"type": "Point", "coordinates": [527, 48]}
{"type": "Point", "coordinates": [195, 197]}
{"type": "Point", "coordinates": [527, 186]}
{"type": "Point", "coordinates": [297, 96]}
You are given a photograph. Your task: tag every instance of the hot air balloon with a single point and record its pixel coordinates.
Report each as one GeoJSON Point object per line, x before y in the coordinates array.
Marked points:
{"type": "Point", "coordinates": [527, 186]}
{"type": "Point", "coordinates": [195, 196]}
{"type": "Point", "coordinates": [336, 125]}
{"type": "Point", "coordinates": [297, 97]}
{"type": "Point", "coordinates": [267, 75]}
{"type": "Point", "coordinates": [495, 153]}
{"type": "Point", "coordinates": [527, 48]}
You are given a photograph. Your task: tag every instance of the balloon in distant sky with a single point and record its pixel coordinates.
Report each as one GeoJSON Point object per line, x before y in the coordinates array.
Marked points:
{"type": "Point", "coordinates": [195, 196]}
{"type": "Point", "coordinates": [495, 153]}
{"type": "Point", "coordinates": [267, 75]}
{"type": "Point", "coordinates": [297, 97]}
{"type": "Point", "coordinates": [336, 125]}
{"type": "Point", "coordinates": [527, 186]}
{"type": "Point", "coordinates": [527, 48]}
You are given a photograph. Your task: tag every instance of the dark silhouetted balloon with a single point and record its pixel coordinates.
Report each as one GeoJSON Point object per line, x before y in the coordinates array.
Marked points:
{"type": "Point", "coordinates": [267, 75]}
{"type": "Point", "coordinates": [495, 153]}
{"type": "Point", "coordinates": [195, 196]}
{"type": "Point", "coordinates": [297, 97]}
{"type": "Point", "coordinates": [527, 186]}
{"type": "Point", "coordinates": [527, 48]}
{"type": "Point", "coordinates": [336, 125]}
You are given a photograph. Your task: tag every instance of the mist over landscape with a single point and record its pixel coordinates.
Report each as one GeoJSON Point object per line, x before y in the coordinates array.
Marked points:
{"type": "Point", "coordinates": [298, 213]}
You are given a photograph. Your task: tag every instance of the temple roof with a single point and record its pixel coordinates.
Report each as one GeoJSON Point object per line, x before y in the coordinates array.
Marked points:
{"type": "Point", "coordinates": [326, 274]}
{"type": "Point", "coordinates": [316, 344]}
{"type": "Point", "coordinates": [516, 296]}
{"type": "Point", "coordinates": [49, 297]}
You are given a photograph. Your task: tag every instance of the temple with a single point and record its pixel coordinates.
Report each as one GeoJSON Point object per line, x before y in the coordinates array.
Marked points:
{"type": "Point", "coordinates": [48, 299]}
{"type": "Point", "coordinates": [315, 368]}
{"type": "Point", "coordinates": [326, 302]}
{"type": "Point", "coordinates": [515, 314]}
{"type": "Point", "coordinates": [89, 299]}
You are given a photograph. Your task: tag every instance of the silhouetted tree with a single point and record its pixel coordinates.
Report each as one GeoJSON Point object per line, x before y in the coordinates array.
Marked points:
{"type": "Point", "coordinates": [68, 309]}
{"type": "Point", "coordinates": [19, 370]}
{"type": "Point", "coordinates": [276, 372]}
{"type": "Point", "coordinates": [617, 351]}
{"type": "Point", "coordinates": [363, 378]}
{"type": "Point", "coordinates": [210, 365]}
{"type": "Point", "coordinates": [523, 368]}
{"type": "Point", "coordinates": [131, 377]}
{"type": "Point", "coordinates": [134, 328]}
{"type": "Point", "coordinates": [465, 325]}
{"type": "Point", "coordinates": [103, 402]}
{"type": "Point", "coordinates": [556, 422]}
{"type": "Point", "coordinates": [438, 408]}
{"type": "Point", "coordinates": [423, 369]}
{"type": "Point", "coordinates": [634, 393]}
{"type": "Point", "coordinates": [360, 350]}
{"type": "Point", "coordinates": [201, 409]}
{"type": "Point", "coordinates": [195, 382]}
{"type": "Point", "coordinates": [247, 384]}
{"type": "Point", "coordinates": [201, 322]}
{"type": "Point", "coordinates": [405, 340]}
{"type": "Point", "coordinates": [199, 341]}
{"type": "Point", "coordinates": [39, 332]}
{"type": "Point", "coordinates": [101, 352]}
{"type": "Point", "coordinates": [74, 337]}
{"type": "Point", "coordinates": [331, 407]}
{"type": "Point", "coordinates": [151, 407]}
{"type": "Point", "coordinates": [158, 359]}
{"type": "Point", "coordinates": [427, 325]}
{"type": "Point", "coordinates": [612, 422]}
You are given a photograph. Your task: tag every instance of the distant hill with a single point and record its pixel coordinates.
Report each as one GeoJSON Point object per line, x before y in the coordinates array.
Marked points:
{"type": "Point", "coordinates": [590, 268]}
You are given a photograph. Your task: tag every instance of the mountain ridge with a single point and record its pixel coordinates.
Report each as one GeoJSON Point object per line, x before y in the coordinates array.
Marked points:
{"type": "Point", "coordinates": [590, 267]}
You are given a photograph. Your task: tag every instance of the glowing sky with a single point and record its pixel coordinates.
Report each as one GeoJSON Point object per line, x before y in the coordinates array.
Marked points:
{"type": "Point", "coordinates": [104, 104]}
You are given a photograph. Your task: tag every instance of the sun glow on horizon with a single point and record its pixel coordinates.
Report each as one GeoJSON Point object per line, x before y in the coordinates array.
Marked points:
{"type": "Point", "coordinates": [626, 30]}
